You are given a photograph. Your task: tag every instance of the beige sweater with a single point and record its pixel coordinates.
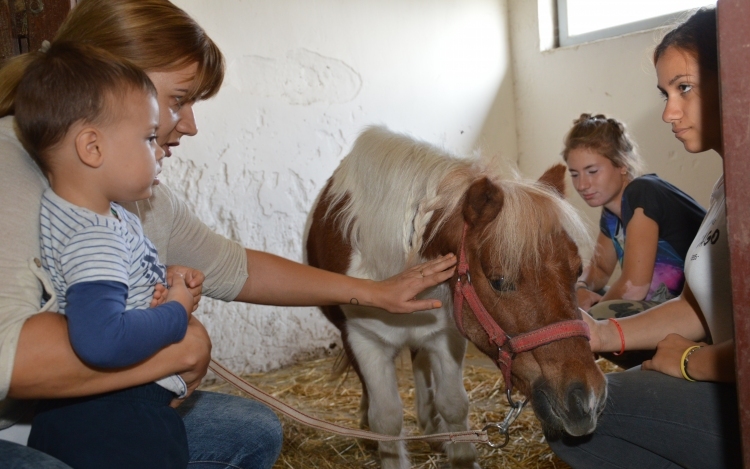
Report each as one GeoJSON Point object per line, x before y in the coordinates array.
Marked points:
{"type": "Point", "coordinates": [177, 234]}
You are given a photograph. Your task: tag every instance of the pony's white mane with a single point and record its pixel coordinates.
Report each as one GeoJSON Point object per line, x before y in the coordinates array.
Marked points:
{"type": "Point", "coordinates": [394, 184]}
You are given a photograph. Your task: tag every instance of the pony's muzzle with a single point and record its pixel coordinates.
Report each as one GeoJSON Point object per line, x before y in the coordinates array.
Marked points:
{"type": "Point", "coordinates": [576, 412]}
{"type": "Point", "coordinates": [582, 410]}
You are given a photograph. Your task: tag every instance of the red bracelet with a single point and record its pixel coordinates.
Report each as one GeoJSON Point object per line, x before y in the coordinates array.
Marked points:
{"type": "Point", "coordinates": [622, 337]}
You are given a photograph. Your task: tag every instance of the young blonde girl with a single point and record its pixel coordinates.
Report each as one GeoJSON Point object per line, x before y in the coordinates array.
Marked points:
{"type": "Point", "coordinates": [646, 225]}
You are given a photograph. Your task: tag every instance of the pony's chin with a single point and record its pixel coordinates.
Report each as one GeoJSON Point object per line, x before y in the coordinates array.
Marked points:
{"type": "Point", "coordinates": [556, 420]}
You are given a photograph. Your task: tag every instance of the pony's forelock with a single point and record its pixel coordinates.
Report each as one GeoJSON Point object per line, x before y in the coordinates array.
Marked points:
{"type": "Point", "coordinates": [531, 212]}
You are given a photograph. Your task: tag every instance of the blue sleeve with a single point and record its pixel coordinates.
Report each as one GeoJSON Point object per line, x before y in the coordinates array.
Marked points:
{"type": "Point", "coordinates": [608, 222]}
{"type": "Point", "coordinates": [104, 334]}
{"type": "Point", "coordinates": [603, 226]}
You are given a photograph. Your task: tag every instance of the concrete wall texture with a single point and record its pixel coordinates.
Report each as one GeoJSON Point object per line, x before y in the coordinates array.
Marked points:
{"type": "Point", "coordinates": [305, 77]}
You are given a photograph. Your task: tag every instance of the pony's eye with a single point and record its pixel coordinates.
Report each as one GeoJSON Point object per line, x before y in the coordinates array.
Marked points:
{"type": "Point", "coordinates": [501, 285]}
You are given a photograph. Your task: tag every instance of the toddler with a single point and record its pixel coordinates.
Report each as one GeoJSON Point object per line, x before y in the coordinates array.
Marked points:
{"type": "Point", "coordinates": [89, 120]}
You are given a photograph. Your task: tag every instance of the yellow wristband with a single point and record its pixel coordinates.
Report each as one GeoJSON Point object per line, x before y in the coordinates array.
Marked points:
{"type": "Point", "coordinates": [684, 361]}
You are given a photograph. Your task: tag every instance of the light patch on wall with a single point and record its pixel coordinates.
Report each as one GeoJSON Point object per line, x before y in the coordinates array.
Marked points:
{"type": "Point", "coordinates": [278, 197]}
{"type": "Point", "coordinates": [300, 78]}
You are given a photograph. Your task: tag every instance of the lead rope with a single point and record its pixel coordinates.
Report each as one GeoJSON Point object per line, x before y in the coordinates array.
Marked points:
{"type": "Point", "coordinates": [471, 436]}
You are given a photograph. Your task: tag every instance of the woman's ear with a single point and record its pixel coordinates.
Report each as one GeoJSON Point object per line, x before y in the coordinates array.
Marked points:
{"type": "Point", "coordinates": [88, 146]}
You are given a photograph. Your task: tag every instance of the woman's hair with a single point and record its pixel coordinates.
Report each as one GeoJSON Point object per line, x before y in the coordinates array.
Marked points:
{"type": "Point", "coordinates": [696, 35]}
{"type": "Point", "coordinates": [607, 137]}
{"type": "Point", "coordinates": [72, 82]}
{"type": "Point", "coordinates": [154, 35]}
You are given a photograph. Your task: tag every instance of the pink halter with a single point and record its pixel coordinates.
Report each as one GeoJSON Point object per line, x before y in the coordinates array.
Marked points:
{"type": "Point", "coordinates": [507, 346]}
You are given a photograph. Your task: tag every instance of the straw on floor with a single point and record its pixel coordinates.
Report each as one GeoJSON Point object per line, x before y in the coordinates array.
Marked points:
{"type": "Point", "coordinates": [311, 387]}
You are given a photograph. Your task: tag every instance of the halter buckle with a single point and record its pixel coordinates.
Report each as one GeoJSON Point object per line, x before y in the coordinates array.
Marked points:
{"type": "Point", "coordinates": [467, 276]}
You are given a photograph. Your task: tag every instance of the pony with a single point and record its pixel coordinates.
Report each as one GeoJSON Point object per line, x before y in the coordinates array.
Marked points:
{"type": "Point", "coordinates": [394, 202]}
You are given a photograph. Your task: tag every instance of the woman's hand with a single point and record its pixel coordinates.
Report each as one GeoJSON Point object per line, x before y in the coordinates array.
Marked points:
{"type": "Point", "coordinates": [587, 298]}
{"type": "Point", "coordinates": [668, 355]}
{"type": "Point", "coordinates": [398, 293]}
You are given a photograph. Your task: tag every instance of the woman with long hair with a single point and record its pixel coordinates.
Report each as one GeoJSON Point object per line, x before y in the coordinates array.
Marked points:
{"type": "Point", "coordinates": [680, 408]}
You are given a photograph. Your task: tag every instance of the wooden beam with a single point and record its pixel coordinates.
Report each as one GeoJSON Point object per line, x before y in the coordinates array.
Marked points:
{"type": "Point", "coordinates": [6, 32]}
{"type": "Point", "coordinates": [734, 69]}
{"type": "Point", "coordinates": [44, 17]}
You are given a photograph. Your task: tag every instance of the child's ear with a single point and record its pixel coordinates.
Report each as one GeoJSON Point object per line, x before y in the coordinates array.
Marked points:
{"type": "Point", "coordinates": [88, 146]}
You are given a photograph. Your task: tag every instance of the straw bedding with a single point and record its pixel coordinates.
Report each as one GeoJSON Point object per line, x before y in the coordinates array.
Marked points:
{"type": "Point", "coordinates": [311, 387]}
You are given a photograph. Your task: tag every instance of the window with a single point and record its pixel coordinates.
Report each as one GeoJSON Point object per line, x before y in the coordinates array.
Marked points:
{"type": "Point", "coordinates": [582, 21]}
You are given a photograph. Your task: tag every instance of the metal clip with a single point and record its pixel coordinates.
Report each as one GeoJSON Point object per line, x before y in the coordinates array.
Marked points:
{"type": "Point", "coordinates": [516, 407]}
{"type": "Point", "coordinates": [503, 431]}
{"type": "Point", "coordinates": [515, 404]}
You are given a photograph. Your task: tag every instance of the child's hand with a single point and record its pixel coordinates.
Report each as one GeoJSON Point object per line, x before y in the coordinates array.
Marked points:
{"type": "Point", "coordinates": [193, 279]}
{"type": "Point", "coordinates": [160, 296]}
{"type": "Point", "coordinates": [178, 291]}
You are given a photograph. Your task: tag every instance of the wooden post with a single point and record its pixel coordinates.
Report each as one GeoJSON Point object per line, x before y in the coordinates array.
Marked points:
{"type": "Point", "coordinates": [25, 24]}
{"type": "Point", "coordinates": [7, 48]}
{"type": "Point", "coordinates": [734, 69]}
{"type": "Point", "coordinates": [44, 17]}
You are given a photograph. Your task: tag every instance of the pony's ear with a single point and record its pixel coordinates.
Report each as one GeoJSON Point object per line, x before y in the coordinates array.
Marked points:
{"type": "Point", "coordinates": [555, 177]}
{"type": "Point", "coordinates": [483, 202]}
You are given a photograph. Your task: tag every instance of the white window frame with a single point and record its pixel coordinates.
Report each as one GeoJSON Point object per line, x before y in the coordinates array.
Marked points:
{"type": "Point", "coordinates": [637, 26]}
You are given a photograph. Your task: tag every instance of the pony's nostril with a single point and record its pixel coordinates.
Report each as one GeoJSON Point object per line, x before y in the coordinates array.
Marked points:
{"type": "Point", "coordinates": [577, 402]}
{"type": "Point", "coordinates": [580, 418]}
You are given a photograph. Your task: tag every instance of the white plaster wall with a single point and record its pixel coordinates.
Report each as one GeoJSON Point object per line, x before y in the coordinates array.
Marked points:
{"type": "Point", "coordinates": [304, 78]}
{"type": "Point", "coordinates": [614, 77]}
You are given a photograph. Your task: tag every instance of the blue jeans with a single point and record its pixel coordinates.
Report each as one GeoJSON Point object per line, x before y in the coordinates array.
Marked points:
{"type": "Point", "coordinates": [230, 432]}
{"type": "Point", "coordinates": [15, 456]}
{"type": "Point", "coordinates": [655, 421]}
{"type": "Point", "coordinates": [224, 432]}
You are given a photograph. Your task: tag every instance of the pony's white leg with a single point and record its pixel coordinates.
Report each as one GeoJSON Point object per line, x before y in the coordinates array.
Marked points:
{"type": "Point", "coordinates": [446, 356]}
{"type": "Point", "coordinates": [385, 412]}
{"type": "Point", "coordinates": [364, 423]}
{"type": "Point", "coordinates": [428, 417]}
